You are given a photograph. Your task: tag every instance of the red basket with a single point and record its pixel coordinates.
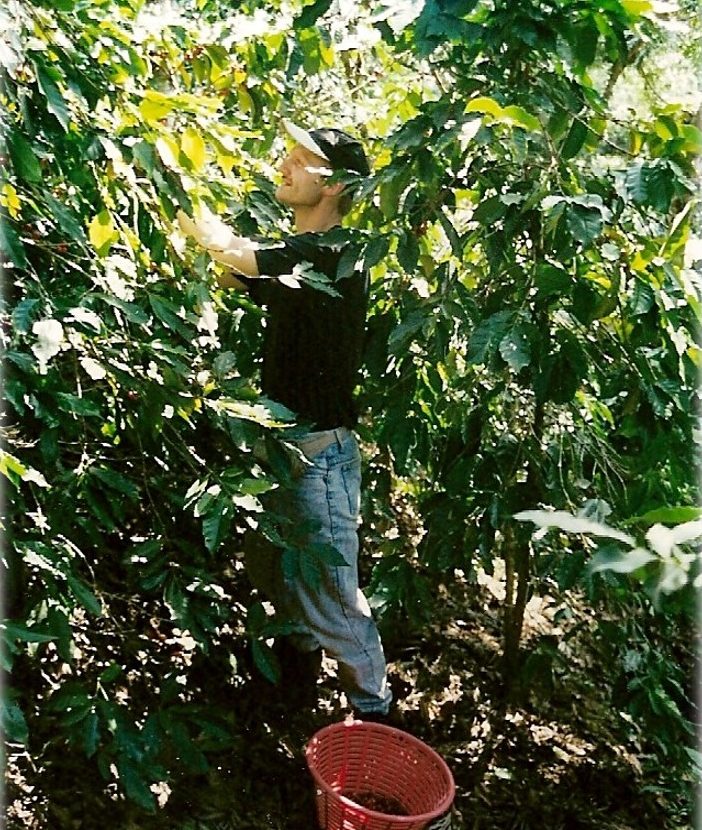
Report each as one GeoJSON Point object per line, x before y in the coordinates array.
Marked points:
{"type": "Point", "coordinates": [357, 757]}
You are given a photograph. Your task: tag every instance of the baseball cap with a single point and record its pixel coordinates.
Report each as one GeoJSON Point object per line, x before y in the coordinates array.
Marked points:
{"type": "Point", "coordinates": [342, 151]}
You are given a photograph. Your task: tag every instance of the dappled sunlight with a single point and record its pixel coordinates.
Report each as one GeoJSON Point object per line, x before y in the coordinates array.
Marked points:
{"type": "Point", "coordinates": [512, 224]}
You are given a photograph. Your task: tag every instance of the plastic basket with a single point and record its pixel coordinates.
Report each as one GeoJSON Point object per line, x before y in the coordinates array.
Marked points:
{"type": "Point", "coordinates": [357, 757]}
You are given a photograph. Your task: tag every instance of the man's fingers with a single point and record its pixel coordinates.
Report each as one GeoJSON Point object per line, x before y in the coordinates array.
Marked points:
{"type": "Point", "coordinates": [185, 223]}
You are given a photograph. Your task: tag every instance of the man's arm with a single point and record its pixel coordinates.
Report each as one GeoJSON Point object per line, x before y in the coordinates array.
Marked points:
{"type": "Point", "coordinates": [223, 245]}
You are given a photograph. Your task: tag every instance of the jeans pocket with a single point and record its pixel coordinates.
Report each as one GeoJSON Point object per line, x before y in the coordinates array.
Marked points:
{"type": "Point", "coordinates": [351, 478]}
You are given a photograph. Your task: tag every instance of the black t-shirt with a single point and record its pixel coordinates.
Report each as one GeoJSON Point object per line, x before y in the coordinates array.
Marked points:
{"type": "Point", "coordinates": [313, 342]}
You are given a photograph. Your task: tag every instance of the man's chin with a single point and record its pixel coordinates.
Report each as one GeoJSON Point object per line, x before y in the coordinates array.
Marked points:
{"type": "Point", "coordinates": [281, 195]}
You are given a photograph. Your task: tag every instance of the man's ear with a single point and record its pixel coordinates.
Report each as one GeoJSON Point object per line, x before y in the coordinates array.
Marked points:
{"type": "Point", "coordinates": [333, 189]}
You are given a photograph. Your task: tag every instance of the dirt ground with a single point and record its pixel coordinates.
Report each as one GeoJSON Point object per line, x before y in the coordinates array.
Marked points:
{"type": "Point", "coordinates": [560, 759]}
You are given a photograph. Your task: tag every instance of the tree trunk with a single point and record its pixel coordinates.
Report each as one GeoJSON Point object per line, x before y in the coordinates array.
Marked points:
{"type": "Point", "coordinates": [517, 556]}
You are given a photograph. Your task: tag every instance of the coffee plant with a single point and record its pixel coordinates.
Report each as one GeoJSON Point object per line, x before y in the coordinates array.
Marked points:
{"type": "Point", "coordinates": [531, 342]}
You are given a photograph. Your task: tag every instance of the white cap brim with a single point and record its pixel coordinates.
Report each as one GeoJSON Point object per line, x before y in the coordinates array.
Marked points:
{"type": "Point", "coordinates": [304, 138]}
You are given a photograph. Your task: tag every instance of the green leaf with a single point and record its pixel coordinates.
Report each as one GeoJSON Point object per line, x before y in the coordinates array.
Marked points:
{"type": "Point", "coordinates": [310, 562]}
{"type": "Point", "coordinates": [255, 486]}
{"type": "Point", "coordinates": [24, 159]}
{"type": "Point", "coordinates": [21, 359]}
{"type": "Point", "coordinates": [485, 105]}
{"type": "Point", "coordinates": [490, 210]}
{"type": "Point", "coordinates": [651, 183]}
{"type": "Point", "coordinates": [635, 8]}
{"type": "Point", "coordinates": [696, 758]}
{"type": "Point", "coordinates": [135, 785]}
{"type": "Point", "coordinates": [60, 627]}
{"type": "Point", "coordinates": [660, 185]}
{"type": "Point", "coordinates": [153, 108]}
{"type": "Point", "coordinates": [256, 619]}
{"type": "Point", "coordinates": [13, 631]}
{"type": "Point", "coordinates": [391, 190]}
{"type": "Point", "coordinates": [554, 207]}
{"type": "Point", "coordinates": [488, 332]}
{"type": "Point", "coordinates": [193, 147]}
{"type": "Point", "coordinates": [571, 524]}
{"type": "Point", "coordinates": [84, 595]}
{"type": "Point", "coordinates": [11, 246]}
{"type": "Point", "coordinates": [54, 100]}
{"type": "Point", "coordinates": [583, 41]}
{"type": "Point", "coordinates": [347, 263]}
{"type": "Point", "coordinates": [304, 272]}
{"type": "Point", "coordinates": [328, 554]}
{"type": "Point", "coordinates": [558, 123]}
{"type": "Point", "coordinates": [77, 406]}
{"type": "Point", "coordinates": [611, 558]}
{"type": "Point", "coordinates": [143, 153]}
{"type": "Point", "coordinates": [376, 249]}
{"type": "Point", "coordinates": [190, 754]}
{"type": "Point", "coordinates": [266, 661]}
{"type": "Point", "coordinates": [14, 725]}
{"type": "Point", "coordinates": [132, 312]}
{"type": "Point", "coordinates": [550, 279]}
{"type": "Point", "coordinates": [66, 219]}
{"type": "Point", "coordinates": [263, 413]}
{"type": "Point", "coordinates": [642, 298]}
{"type": "Point", "coordinates": [521, 118]}
{"type": "Point", "coordinates": [310, 569]}
{"type": "Point", "coordinates": [693, 139]}
{"type": "Point", "coordinates": [167, 313]}
{"type": "Point", "coordinates": [411, 134]}
{"type": "Point", "coordinates": [405, 332]}
{"type": "Point", "coordinates": [408, 252]}
{"type": "Point", "coordinates": [116, 481]}
{"type": "Point", "coordinates": [515, 348]}
{"type": "Point", "coordinates": [224, 363]}
{"type": "Point", "coordinates": [311, 13]}
{"type": "Point", "coordinates": [668, 515]}
{"type": "Point", "coordinates": [308, 42]}
{"type": "Point", "coordinates": [71, 697]}
{"type": "Point", "coordinates": [216, 524]}
{"type": "Point", "coordinates": [101, 232]}
{"type": "Point", "coordinates": [175, 598]}
{"type": "Point", "coordinates": [22, 315]}
{"type": "Point", "coordinates": [636, 181]}
{"type": "Point", "coordinates": [90, 733]}
{"type": "Point", "coordinates": [453, 237]}
{"type": "Point", "coordinates": [111, 673]}
{"type": "Point", "coordinates": [401, 439]}
{"type": "Point", "coordinates": [575, 139]}
{"type": "Point", "coordinates": [584, 224]}
{"type": "Point", "coordinates": [562, 372]}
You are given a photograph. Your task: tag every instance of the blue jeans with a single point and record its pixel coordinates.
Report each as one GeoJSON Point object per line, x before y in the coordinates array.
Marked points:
{"type": "Point", "coordinates": [330, 611]}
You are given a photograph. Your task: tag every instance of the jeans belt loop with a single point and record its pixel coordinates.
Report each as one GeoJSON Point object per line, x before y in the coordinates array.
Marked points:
{"type": "Point", "coordinates": [319, 441]}
{"type": "Point", "coordinates": [313, 445]}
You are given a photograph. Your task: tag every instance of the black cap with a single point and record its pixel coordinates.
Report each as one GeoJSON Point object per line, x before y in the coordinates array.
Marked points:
{"type": "Point", "coordinates": [341, 150]}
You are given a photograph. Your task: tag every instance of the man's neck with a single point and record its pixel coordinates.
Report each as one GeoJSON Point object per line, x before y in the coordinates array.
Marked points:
{"type": "Point", "coordinates": [312, 221]}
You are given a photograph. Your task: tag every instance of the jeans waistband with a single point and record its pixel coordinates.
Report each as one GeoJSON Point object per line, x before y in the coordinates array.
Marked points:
{"type": "Point", "coordinates": [314, 442]}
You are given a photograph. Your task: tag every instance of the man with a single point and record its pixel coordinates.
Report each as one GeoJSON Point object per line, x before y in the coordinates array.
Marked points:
{"type": "Point", "coordinates": [312, 353]}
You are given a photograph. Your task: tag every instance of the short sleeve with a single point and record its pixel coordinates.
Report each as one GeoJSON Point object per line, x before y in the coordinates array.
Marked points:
{"type": "Point", "coordinates": [276, 258]}
{"type": "Point", "coordinates": [272, 260]}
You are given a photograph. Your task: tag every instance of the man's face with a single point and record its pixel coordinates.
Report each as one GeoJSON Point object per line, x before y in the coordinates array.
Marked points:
{"type": "Point", "coordinates": [303, 178]}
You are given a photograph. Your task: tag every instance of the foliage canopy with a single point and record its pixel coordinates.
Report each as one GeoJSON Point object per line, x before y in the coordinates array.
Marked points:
{"type": "Point", "coordinates": [531, 340]}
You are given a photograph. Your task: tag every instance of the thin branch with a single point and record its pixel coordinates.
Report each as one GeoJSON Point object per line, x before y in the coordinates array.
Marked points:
{"type": "Point", "coordinates": [619, 66]}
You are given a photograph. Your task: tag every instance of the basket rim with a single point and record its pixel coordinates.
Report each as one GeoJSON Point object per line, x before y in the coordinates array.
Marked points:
{"type": "Point", "coordinates": [388, 730]}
